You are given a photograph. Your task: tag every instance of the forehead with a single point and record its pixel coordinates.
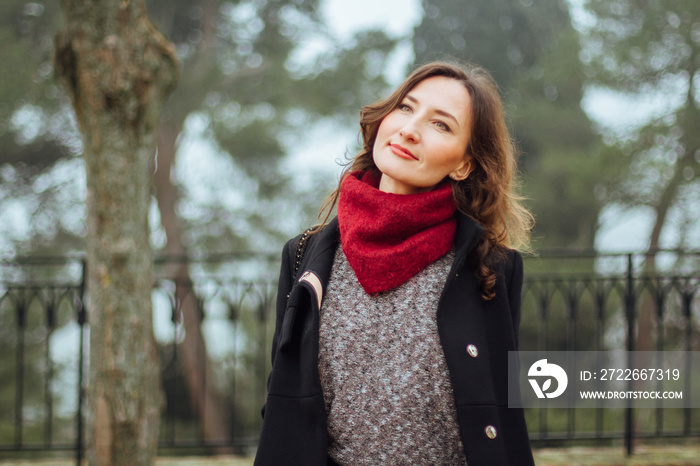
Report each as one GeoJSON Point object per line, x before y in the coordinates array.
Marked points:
{"type": "Point", "coordinates": [443, 93]}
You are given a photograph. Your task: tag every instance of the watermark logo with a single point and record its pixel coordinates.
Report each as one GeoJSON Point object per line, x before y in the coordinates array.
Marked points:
{"type": "Point", "coordinates": [603, 379]}
{"type": "Point", "coordinates": [543, 369]}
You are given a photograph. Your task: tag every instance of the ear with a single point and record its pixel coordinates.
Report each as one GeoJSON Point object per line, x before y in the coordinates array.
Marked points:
{"type": "Point", "coordinates": [463, 170]}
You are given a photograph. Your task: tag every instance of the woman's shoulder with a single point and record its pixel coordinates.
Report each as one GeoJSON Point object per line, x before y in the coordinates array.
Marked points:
{"type": "Point", "coordinates": [514, 255]}
{"type": "Point", "coordinates": [295, 248]}
{"type": "Point", "coordinates": [513, 269]}
{"type": "Point", "coordinates": [506, 261]}
{"type": "Point", "coordinates": [294, 241]}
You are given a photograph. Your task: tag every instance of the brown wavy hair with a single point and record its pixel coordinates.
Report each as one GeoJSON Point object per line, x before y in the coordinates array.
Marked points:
{"type": "Point", "coordinates": [488, 194]}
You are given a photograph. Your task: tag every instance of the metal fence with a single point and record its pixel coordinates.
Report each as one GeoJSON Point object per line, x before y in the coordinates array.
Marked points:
{"type": "Point", "coordinates": [571, 301]}
{"type": "Point", "coordinates": [599, 302]}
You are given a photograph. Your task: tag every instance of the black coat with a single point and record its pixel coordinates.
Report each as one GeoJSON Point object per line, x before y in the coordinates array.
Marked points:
{"type": "Point", "coordinates": [475, 334]}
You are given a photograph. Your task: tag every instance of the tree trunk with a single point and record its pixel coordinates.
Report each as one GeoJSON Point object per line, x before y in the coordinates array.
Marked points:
{"type": "Point", "coordinates": [118, 71]}
{"type": "Point", "coordinates": [204, 398]}
{"type": "Point", "coordinates": [691, 142]}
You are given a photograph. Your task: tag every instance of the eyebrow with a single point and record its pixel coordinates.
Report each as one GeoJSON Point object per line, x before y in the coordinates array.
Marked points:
{"type": "Point", "coordinates": [437, 110]}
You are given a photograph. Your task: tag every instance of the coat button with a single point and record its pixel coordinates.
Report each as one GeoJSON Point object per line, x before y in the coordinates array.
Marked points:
{"type": "Point", "coordinates": [490, 432]}
{"type": "Point", "coordinates": [472, 351]}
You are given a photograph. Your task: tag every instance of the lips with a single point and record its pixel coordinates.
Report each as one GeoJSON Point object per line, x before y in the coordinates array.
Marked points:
{"type": "Point", "coordinates": [402, 152]}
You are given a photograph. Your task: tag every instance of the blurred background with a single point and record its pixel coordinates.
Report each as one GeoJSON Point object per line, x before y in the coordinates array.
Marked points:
{"type": "Point", "coordinates": [603, 100]}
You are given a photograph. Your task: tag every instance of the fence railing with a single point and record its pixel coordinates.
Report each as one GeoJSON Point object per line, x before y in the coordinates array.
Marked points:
{"type": "Point", "coordinates": [592, 302]}
{"type": "Point", "coordinates": [214, 329]}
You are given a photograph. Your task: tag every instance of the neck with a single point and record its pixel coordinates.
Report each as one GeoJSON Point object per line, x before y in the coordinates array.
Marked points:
{"type": "Point", "coordinates": [390, 185]}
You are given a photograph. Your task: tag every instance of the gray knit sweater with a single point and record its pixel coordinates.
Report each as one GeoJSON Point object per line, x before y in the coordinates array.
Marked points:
{"type": "Point", "coordinates": [385, 382]}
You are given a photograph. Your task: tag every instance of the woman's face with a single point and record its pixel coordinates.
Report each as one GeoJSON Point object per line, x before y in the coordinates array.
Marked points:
{"type": "Point", "coordinates": [424, 139]}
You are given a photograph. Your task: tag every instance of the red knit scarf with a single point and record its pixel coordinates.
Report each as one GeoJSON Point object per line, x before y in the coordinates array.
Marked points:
{"type": "Point", "coordinates": [388, 238]}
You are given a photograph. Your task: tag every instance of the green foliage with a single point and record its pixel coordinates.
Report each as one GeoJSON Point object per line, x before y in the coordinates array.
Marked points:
{"type": "Point", "coordinates": [644, 48]}
{"type": "Point", "coordinates": [26, 35]}
{"type": "Point", "coordinates": [36, 134]}
{"type": "Point", "coordinates": [505, 37]}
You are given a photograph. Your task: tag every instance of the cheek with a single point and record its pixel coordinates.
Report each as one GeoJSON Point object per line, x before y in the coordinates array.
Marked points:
{"type": "Point", "coordinates": [383, 132]}
{"type": "Point", "coordinates": [449, 156]}
{"type": "Point", "coordinates": [388, 125]}
{"type": "Point", "coordinates": [380, 131]}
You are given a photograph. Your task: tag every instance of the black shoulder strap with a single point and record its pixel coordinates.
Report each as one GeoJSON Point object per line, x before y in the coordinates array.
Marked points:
{"type": "Point", "coordinates": [301, 248]}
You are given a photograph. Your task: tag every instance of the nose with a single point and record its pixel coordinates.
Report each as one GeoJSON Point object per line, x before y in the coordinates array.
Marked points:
{"type": "Point", "coordinates": [409, 131]}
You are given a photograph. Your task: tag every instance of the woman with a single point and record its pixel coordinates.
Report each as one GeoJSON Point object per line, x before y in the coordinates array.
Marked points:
{"type": "Point", "coordinates": [391, 343]}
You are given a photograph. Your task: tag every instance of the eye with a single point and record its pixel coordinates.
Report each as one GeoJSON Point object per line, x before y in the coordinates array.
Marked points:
{"type": "Point", "coordinates": [405, 108]}
{"type": "Point", "coordinates": [441, 125]}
